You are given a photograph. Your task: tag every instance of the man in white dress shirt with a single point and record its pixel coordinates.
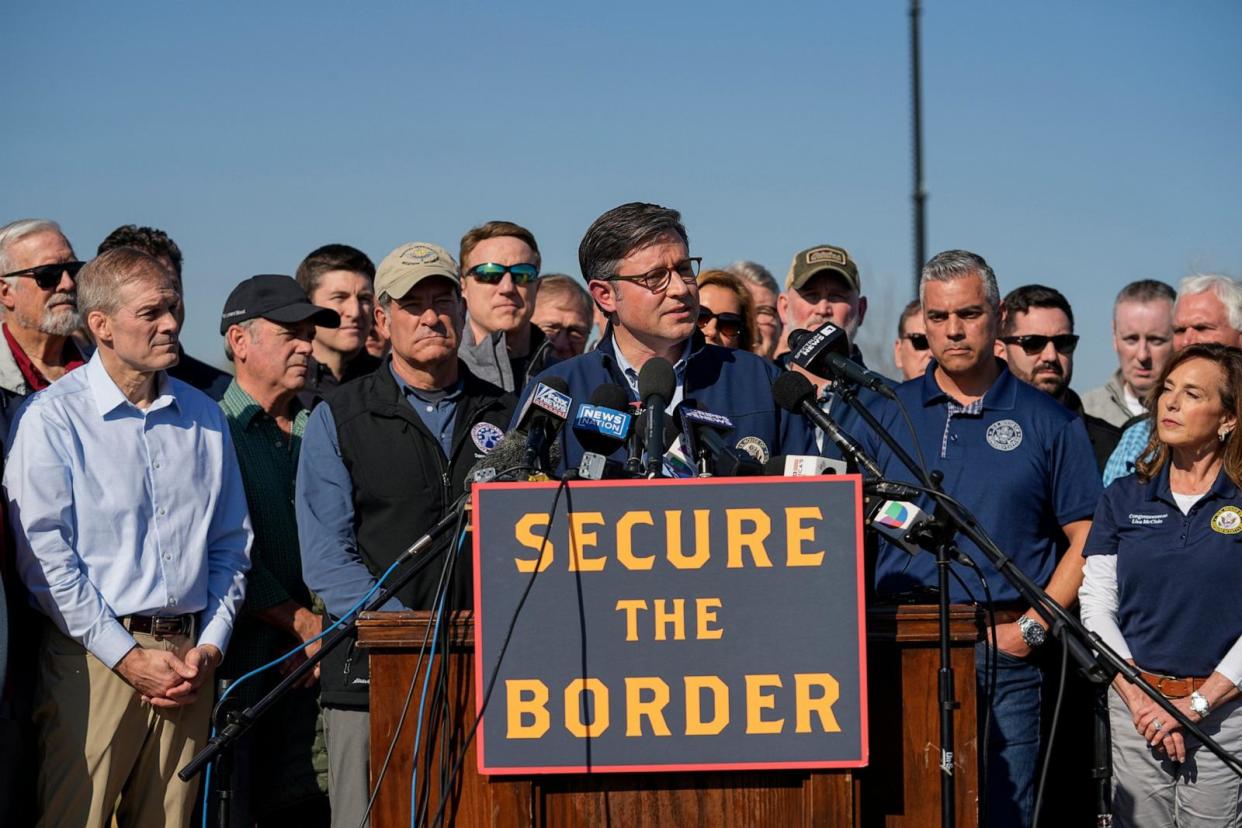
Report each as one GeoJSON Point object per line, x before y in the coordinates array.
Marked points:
{"type": "Point", "coordinates": [133, 539]}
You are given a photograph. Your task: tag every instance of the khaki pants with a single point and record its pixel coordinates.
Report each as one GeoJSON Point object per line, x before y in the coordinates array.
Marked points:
{"type": "Point", "coordinates": [102, 751]}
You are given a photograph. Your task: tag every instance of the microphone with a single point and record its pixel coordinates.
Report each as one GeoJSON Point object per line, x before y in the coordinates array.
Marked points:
{"type": "Point", "coordinates": [825, 353]}
{"type": "Point", "coordinates": [507, 457]}
{"type": "Point", "coordinates": [794, 393]}
{"type": "Point", "coordinates": [601, 427]}
{"type": "Point", "coordinates": [900, 522]}
{"type": "Point", "coordinates": [543, 415]}
{"type": "Point", "coordinates": [656, 384]}
{"type": "Point", "coordinates": [703, 438]}
{"type": "Point", "coordinates": [802, 465]}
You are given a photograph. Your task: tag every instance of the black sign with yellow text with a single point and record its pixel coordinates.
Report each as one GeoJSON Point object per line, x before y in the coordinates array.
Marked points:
{"type": "Point", "coordinates": [670, 625]}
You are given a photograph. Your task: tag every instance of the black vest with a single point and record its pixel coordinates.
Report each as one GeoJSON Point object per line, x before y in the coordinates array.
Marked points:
{"type": "Point", "coordinates": [402, 485]}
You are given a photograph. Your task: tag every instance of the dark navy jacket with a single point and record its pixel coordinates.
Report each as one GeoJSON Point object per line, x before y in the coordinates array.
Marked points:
{"type": "Point", "coordinates": [725, 381]}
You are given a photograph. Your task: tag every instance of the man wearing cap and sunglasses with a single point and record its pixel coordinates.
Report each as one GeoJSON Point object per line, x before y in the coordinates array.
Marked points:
{"type": "Point", "coordinates": [133, 538]}
{"type": "Point", "coordinates": [39, 294]}
{"type": "Point", "coordinates": [269, 326]}
{"type": "Point", "coordinates": [1038, 341]}
{"type": "Point", "coordinates": [384, 458]}
{"type": "Point", "coordinates": [500, 278]}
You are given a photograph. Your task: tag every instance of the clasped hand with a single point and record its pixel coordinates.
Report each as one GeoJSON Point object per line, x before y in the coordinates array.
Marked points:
{"type": "Point", "coordinates": [164, 679]}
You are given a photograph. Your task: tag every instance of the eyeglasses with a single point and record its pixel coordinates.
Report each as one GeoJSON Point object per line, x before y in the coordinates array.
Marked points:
{"type": "Point", "coordinates": [917, 341]}
{"type": "Point", "coordinates": [1034, 344]}
{"type": "Point", "coordinates": [48, 276]}
{"type": "Point", "coordinates": [657, 280]}
{"type": "Point", "coordinates": [490, 273]}
{"type": "Point", "coordinates": [574, 332]}
{"type": "Point", "coordinates": [727, 324]}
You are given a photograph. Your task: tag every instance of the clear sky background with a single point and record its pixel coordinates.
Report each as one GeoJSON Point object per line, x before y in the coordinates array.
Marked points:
{"type": "Point", "coordinates": [1081, 145]}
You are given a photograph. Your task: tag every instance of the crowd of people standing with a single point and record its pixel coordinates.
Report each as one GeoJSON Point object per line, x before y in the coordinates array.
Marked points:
{"type": "Point", "coordinates": [170, 524]}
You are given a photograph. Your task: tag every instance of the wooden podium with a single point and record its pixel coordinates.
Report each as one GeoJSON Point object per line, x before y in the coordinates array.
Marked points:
{"type": "Point", "coordinates": [900, 788]}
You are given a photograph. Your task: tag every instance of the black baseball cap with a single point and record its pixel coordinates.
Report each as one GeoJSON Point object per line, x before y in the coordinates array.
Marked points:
{"type": "Point", "coordinates": [276, 298]}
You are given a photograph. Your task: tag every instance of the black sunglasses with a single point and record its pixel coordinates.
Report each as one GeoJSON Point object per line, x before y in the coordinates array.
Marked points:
{"type": "Point", "coordinates": [1034, 344]}
{"type": "Point", "coordinates": [490, 273]}
{"type": "Point", "coordinates": [48, 276]}
{"type": "Point", "coordinates": [917, 341]}
{"type": "Point", "coordinates": [727, 324]}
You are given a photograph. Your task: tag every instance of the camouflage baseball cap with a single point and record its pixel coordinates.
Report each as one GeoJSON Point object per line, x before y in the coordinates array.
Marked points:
{"type": "Point", "coordinates": [820, 259]}
{"type": "Point", "coordinates": [409, 264]}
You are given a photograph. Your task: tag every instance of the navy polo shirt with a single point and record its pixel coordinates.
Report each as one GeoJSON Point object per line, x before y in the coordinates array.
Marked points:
{"type": "Point", "coordinates": [1179, 577]}
{"type": "Point", "coordinates": [1017, 459]}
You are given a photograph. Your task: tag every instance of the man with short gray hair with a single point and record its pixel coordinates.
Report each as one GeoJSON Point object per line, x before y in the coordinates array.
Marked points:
{"type": "Point", "coordinates": [39, 296]}
{"type": "Point", "coordinates": [1208, 309]}
{"type": "Point", "coordinates": [133, 538]}
{"type": "Point", "coordinates": [1021, 463]}
{"type": "Point", "coordinates": [1143, 340]}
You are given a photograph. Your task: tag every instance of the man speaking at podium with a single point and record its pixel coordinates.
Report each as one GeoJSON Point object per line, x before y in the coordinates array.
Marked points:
{"type": "Point", "coordinates": [1021, 463]}
{"type": "Point", "coordinates": [637, 265]}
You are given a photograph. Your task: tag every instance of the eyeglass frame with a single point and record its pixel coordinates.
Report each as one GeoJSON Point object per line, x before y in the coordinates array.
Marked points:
{"type": "Point", "coordinates": [696, 262]}
{"type": "Point", "coordinates": [1070, 340]}
{"type": "Point", "coordinates": [57, 269]}
{"type": "Point", "coordinates": [507, 271]}
{"type": "Point", "coordinates": [706, 315]}
{"type": "Point", "coordinates": [911, 338]}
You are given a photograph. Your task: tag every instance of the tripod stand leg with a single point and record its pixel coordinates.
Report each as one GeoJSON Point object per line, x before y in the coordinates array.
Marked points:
{"type": "Point", "coordinates": [1102, 767]}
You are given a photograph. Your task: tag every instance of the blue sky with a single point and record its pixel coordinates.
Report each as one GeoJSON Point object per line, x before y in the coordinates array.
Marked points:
{"type": "Point", "coordinates": [1081, 145]}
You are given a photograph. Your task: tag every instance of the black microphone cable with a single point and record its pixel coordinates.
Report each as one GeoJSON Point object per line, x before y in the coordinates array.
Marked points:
{"type": "Point", "coordinates": [445, 791]}
{"type": "Point", "coordinates": [441, 588]}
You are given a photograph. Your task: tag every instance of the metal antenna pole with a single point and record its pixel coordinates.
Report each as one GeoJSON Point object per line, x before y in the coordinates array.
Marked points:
{"type": "Point", "coordinates": [916, 103]}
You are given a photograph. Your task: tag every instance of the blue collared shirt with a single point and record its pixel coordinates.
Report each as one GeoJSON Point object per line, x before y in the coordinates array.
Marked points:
{"type": "Point", "coordinates": [1021, 463]}
{"type": "Point", "coordinates": [679, 372]}
{"type": "Point", "coordinates": [1129, 447]}
{"type": "Point", "coordinates": [437, 414]}
{"type": "Point", "coordinates": [119, 511]}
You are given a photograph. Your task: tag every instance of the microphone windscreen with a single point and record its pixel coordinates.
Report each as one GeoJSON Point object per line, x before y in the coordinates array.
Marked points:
{"type": "Point", "coordinates": [656, 378]}
{"type": "Point", "coordinates": [610, 395]}
{"type": "Point", "coordinates": [790, 389]}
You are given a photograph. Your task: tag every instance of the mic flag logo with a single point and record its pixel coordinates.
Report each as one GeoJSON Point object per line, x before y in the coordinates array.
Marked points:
{"type": "Point", "coordinates": [895, 515]}
{"type": "Point", "coordinates": [606, 421]}
{"type": "Point", "coordinates": [810, 349]}
{"type": "Point", "coordinates": [552, 401]}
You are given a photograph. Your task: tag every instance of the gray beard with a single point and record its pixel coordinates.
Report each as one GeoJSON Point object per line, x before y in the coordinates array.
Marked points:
{"type": "Point", "coordinates": [60, 324]}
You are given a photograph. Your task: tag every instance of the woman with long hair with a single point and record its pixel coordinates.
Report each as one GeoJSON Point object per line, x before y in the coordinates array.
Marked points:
{"type": "Point", "coordinates": [1163, 587]}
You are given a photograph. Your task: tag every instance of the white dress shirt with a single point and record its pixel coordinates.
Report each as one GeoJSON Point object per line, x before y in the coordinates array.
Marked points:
{"type": "Point", "coordinates": [118, 510]}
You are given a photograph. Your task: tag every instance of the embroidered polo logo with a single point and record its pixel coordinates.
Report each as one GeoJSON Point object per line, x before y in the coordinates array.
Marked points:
{"type": "Point", "coordinates": [755, 447]}
{"type": "Point", "coordinates": [486, 436]}
{"type": "Point", "coordinates": [1139, 519]}
{"type": "Point", "coordinates": [1227, 521]}
{"type": "Point", "coordinates": [1004, 435]}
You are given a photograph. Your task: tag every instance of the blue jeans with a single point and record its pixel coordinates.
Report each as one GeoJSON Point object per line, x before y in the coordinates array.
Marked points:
{"type": "Point", "coordinates": [1013, 745]}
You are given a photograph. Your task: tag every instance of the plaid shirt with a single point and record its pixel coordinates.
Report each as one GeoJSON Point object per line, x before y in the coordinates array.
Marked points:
{"type": "Point", "coordinates": [268, 458]}
{"type": "Point", "coordinates": [1129, 447]}
{"type": "Point", "coordinates": [290, 756]}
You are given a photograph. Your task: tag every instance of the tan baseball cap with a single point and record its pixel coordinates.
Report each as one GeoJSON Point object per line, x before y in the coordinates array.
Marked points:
{"type": "Point", "coordinates": [820, 259]}
{"type": "Point", "coordinates": [409, 264]}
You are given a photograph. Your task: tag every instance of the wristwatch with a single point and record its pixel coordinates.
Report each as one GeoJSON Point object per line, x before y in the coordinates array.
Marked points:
{"type": "Point", "coordinates": [1032, 632]}
{"type": "Point", "coordinates": [1199, 704]}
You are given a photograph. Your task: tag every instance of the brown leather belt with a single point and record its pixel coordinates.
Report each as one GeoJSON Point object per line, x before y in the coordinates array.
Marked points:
{"type": "Point", "coordinates": [160, 624]}
{"type": "Point", "coordinates": [1172, 687]}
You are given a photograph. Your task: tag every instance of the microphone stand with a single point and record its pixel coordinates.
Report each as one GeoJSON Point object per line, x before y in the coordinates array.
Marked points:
{"type": "Point", "coordinates": [1100, 666]}
{"type": "Point", "coordinates": [236, 723]}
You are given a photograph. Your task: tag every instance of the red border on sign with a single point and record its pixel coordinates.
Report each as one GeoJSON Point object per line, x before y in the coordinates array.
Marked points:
{"type": "Point", "coordinates": [479, 689]}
